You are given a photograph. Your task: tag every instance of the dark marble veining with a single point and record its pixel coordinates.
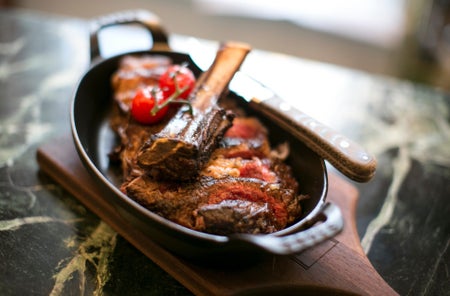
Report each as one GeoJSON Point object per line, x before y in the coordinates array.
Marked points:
{"type": "Point", "coordinates": [51, 244]}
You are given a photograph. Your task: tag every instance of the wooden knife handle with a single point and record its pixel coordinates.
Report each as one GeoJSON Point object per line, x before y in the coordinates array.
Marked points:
{"type": "Point", "coordinates": [344, 154]}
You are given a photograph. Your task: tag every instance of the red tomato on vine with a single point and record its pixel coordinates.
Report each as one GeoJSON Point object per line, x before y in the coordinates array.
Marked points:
{"type": "Point", "coordinates": [150, 104]}
{"type": "Point", "coordinates": [143, 107]}
{"type": "Point", "coordinates": [177, 76]}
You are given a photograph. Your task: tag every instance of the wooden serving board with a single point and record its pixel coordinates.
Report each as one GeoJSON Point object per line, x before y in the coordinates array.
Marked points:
{"type": "Point", "coordinates": [337, 266]}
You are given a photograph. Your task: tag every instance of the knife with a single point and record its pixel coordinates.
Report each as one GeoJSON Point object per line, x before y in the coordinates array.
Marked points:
{"type": "Point", "coordinates": [345, 155]}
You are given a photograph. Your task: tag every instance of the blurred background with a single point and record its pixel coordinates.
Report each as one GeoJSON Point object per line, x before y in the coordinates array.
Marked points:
{"type": "Point", "coordinates": [407, 39]}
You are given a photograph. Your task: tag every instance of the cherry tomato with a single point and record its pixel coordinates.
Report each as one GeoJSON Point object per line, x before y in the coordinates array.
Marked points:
{"type": "Point", "coordinates": [182, 75]}
{"type": "Point", "coordinates": [143, 103]}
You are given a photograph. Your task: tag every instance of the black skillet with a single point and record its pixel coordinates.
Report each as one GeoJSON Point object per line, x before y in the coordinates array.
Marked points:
{"type": "Point", "coordinates": [94, 139]}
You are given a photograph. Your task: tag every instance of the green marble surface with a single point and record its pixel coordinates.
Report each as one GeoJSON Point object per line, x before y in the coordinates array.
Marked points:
{"type": "Point", "coordinates": [51, 244]}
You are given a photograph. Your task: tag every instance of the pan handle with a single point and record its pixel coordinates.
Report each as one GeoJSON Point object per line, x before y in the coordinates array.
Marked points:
{"type": "Point", "coordinates": [141, 17]}
{"type": "Point", "coordinates": [328, 223]}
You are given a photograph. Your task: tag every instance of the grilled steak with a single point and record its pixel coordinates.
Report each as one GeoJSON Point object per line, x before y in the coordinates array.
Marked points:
{"type": "Point", "coordinates": [245, 187]}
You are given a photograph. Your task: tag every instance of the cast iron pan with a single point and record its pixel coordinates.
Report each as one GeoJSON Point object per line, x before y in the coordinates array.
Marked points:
{"type": "Point", "coordinates": [94, 139]}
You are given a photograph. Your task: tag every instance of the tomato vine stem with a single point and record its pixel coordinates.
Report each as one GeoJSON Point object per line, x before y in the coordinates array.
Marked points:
{"type": "Point", "coordinates": [173, 98]}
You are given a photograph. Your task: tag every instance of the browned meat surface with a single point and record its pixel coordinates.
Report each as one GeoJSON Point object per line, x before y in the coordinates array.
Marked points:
{"type": "Point", "coordinates": [247, 190]}
{"type": "Point", "coordinates": [206, 205]}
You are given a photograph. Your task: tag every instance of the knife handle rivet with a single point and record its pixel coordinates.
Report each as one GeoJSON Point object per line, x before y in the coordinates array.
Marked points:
{"type": "Point", "coordinates": [312, 124]}
{"type": "Point", "coordinates": [344, 144]}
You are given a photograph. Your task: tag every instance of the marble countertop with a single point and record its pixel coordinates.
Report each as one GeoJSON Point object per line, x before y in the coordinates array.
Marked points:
{"type": "Point", "coordinates": [51, 244]}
